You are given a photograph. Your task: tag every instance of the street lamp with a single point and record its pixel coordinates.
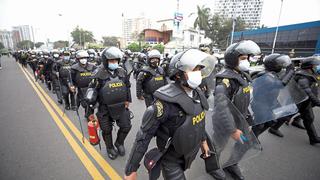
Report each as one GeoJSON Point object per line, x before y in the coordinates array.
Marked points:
{"type": "Point", "coordinates": [275, 36]}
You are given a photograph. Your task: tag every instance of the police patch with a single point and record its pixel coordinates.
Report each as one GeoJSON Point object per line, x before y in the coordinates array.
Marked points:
{"type": "Point", "coordinates": [159, 106]}
{"type": "Point", "coordinates": [247, 89]}
{"type": "Point", "coordinates": [226, 82]}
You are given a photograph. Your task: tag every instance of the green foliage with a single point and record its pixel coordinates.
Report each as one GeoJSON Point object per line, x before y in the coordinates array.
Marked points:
{"type": "Point", "coordinates": [81, 36]}
{"type": "Point", "coordinates": [94, 46]}
{"type": "Point", "coordinates": [60, 44]}
{"type": "Point", "coordinates": [216, 27]}
{"type": "Point", "coordinates": [110, 41]}
{"type": "Point", "coordinates": [134, 47]}
{"type": "Point", "coordinates": [159, 47]}
{"type": "Point", "coordinates": [39, 44]}
{"type": "Point", "coordinates": [25, 44]}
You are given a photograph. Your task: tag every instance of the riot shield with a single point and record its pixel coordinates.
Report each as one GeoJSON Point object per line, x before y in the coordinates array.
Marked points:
{"type": "Point", "coordinates": [220, 124]}
{"type": "Point", "coordinates": [270, 100]}
{"type": "Point", "coordinates": [128, 65]}
{"type": "Point", "coordinates": [297, 94]}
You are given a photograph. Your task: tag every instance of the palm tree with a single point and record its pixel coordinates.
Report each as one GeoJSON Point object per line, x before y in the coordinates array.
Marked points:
{"type": "Point", "coordinates": [202, 20]}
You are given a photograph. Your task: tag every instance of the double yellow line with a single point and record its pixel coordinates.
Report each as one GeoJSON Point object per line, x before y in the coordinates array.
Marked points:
{"type": "Point", "coordinates": [50, 105]}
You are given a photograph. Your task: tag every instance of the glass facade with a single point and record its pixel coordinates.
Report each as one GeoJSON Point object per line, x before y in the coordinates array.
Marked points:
{"type": "Point", "coordinates": [303, 40]}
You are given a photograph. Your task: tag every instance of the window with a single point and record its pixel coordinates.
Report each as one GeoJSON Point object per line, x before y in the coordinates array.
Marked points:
{"type": "Point", "coordinates": [191, 37]}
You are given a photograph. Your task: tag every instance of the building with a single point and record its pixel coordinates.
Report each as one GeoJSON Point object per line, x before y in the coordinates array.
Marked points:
{"type": "Point", "coordinates": [303, 39]}
{"type": "Point", "coordinates": [25, 32]}
{"type": "Point", "coordinates": [131, 28]}
{"type": "Point", "coordinates": [153, 36]}
{"type": "Point", "coordinates": [193, 38]}
{"type": "Point", "coordinates": [6, 39]}
{"type": "Point", "coordinates": [248, 10]}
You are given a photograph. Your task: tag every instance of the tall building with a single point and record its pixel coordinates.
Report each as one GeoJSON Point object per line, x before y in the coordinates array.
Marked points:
{"type": "Point", "coordinates": [131, 28]}
{"type": "Point", "coordinates": [248, 10]}
{"type": "Point", "coordinates": [6, 39]}
{"type": "Point", "coordinates": [25, 32]}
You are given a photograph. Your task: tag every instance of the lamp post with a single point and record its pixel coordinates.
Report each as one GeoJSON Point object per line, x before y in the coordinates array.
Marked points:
{"type": "Point", "coordinates": [275, 36]}
{"type": "Point", "coordinates": [232, 32]}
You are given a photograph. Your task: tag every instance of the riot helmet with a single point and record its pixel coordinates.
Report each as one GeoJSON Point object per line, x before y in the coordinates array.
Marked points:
{"type": "Point", "coordinates": [91, 53]}
{"type": "Point", "coordinates": [66, 56]}
{"type": "Point", "coordinates": [82, 56]}
{"type": "Point", "coordinates": [275, 62]}
{"type": "Point", "coordinates": [310, 62]}
{"type": "Point", "coordinates": [153, 58]}
{"type": "Point", "coordinates": [111, 54]}
{"type": "Point", "coordinates": [55, 53]}
{"type": "Point", "coordinates": [241, 49]}
{"type": "Point", "coordinates": [46, 54]}
{"type": "Point", "coordinates": [186, 62]}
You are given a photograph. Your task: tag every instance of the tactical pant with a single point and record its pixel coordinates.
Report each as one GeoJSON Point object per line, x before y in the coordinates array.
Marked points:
{"type": "Point", "coordinates": [308, 117]}
{"type": "Point", "coordinates": [148, 99]}
{"type": "Point", "coordinates": [172, 167]}
{"type": "Point", "coordinates": [67, 96]}
{"type": "Point", "coordinates": [106, 124]}
{"type": "Point", "coordinates": [56, 87]}
{"type": "Point", "coordinates": [280, 122]}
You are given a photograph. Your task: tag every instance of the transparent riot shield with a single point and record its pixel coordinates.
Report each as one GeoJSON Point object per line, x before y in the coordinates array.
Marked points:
{"type": "Point", "coordinates": [128, 65]}
{"type": "Point", "coordinates": [220, 124]}
{"type": "Point", "coordinates": [270, 100]}
{"type": "Point", "coordinates": [297, 94]}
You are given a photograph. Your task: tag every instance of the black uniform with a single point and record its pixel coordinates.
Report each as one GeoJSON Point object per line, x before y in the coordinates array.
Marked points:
{"type": "Point", "coordinates": [309, 83]}
{"type": "Point", "coordinates": [81, 77]}
{"type": "Point", "coordinates": [64, 69]}
{"type": "Point", "coordinates": [48, 63]}
{"type": "Point", "coordinates": [148, 81]}
{"type": "Point", "coordinates": [172, 115]}
{"type": "Point", "coordinates": [113, 90]}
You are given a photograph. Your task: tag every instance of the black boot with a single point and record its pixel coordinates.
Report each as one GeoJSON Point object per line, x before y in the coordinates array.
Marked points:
{"type": "Point", "coordinates": [235, 172]}
{"type": "Point", "coordinates": [111, 151]}
{"type": "Point", "coordinates": [297, 123]}
{"type": "Point", "coordinates": [121, 136]}
{"type": "Point", "coordinates": [218, 174]}
{"type": "Point", "coordinates": [276, 132]}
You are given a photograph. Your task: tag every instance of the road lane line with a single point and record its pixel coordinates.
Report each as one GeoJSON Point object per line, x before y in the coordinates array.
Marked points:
{"type": "Point", "coordinates": [93, 171]}
{"type": "Point", "coordinates": [106, 167]}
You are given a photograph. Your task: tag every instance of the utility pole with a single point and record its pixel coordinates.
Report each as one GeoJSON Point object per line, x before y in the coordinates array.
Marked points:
{"type": "Point", "coordinates": [276, 34]}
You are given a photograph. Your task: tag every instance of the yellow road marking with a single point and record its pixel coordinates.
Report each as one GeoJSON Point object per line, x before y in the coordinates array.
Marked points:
{"type": "Point", "coordinates": [75, 146]}
{"type": "Point", "coordinates": [107, 168]}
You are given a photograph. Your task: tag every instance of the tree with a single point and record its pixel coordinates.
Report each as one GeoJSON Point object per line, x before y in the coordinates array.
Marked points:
{"type": "Point", "coordinates": [159, 47]}
{"type": "Point", "coordinates": [134, 47]}
{"type": "Point", "coordinates": [1, 45]}
{"type": "Point", "coordinates": [94, 46]}
{"type": "Point", "coordinates": [39, 44]}
{"type": "Point", "coordinates": [25, 44]}
{"type": "Point", "coordinates": [202, 20]}
{"type": "Point", "coordinates": [110, 41]}
{"type": "Point", "coordinates": [81, 36]}
{"type": "Point", "coordinates": [60, 44]}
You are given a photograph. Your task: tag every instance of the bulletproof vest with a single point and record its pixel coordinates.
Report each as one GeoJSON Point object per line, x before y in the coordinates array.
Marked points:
{"type": "Point", "coordinates": [314, 81]}
{"type": "Point", "coordinates": [241, 97]}
{"type": "Point", "coordinates": [65, 69]}
{"type": "Point", "coordinates": [113, 89]}
{"type": "Point", "coordinates": [155, 81]}
{"type": "Point", "coordinates": [187, 137]}
{"type": "Point", "coordinates": [83, 75]}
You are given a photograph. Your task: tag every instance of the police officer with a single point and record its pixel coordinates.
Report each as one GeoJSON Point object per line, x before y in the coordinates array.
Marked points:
{"type": "Point", "coordinates": [111, 88]}
{"type": "Point", "coordinates": [92, 55]}
{"type": "Point", "coordinates": [55, 83]}
{"type": "Point", "coordinates": [138, 65]}
{"type": "Point", "coordinates": [48, 63]}
{"type": "Point", "coordinates": [176, 118]}
{"type": "Point", "coordinates": [233, 83]}
{"type": "Point", "coordinates": [81, 76]}
{"type": "Point", "coordinates": [281, 67]}
{"type": "Point", "coordinates": [308, 81]}
{"type": "Point", "coordinates": [165, 63]}
{"type": "Point", "coordinates": [62, 70]}
{"type": "Point", "coordinates": [150, 78]}
{"type": "Point", "coordinates": [33, 61]}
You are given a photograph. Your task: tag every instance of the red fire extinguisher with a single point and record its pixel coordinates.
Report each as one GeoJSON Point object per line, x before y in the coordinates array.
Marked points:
{"type": "Point", "coordinates": [93, 128]}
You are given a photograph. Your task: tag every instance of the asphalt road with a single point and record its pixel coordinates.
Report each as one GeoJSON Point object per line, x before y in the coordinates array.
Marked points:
{"type": "Point", "coordinates": [34, 146]}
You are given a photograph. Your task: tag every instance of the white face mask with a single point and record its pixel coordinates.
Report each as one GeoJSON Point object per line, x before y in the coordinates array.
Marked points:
{"type": "Point", "coordinates": [83, 61]}
{"type": "Point", "coordinates": [244, 65]}
{"type": "Point", "coordinates": [56, 55]}
{"type": "Point", "coordinates": [194, 79]}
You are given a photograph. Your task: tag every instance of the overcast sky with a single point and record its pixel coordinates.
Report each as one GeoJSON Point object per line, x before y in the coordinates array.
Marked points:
{"type": "Point", "coordinates": [103, 17]}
